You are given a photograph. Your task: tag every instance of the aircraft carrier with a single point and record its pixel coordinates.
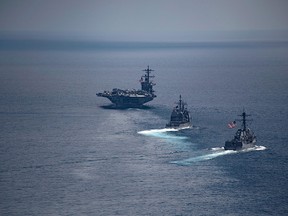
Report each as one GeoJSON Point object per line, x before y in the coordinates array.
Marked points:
{"type": "Point", "coordinates": [132, 98]}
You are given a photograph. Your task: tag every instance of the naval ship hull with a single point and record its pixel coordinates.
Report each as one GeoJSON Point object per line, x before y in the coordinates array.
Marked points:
{"type": "Point", "coordinates": [179, 125]}
{"type": "Point", "coordinates": [128, 101]}
{"type": "Point", "coordinates": [237, 145]}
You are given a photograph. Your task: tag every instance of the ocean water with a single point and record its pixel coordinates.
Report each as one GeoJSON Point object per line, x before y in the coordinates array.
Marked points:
{"type": "Point", "coordinates": [63, 152]}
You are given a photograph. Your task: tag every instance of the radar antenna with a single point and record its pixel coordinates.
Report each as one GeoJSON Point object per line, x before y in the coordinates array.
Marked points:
{"type": "Point", "coordinates": [146, 84]}
{"type": "Point", "coordinates": [244, 120]}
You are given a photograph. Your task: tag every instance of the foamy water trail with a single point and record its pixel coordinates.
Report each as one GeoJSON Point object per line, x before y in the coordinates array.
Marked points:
{"type": "Point", "coordinates": [163, 130]}
{"type": "Point", "coordinates": [216, 152]}
{"type": "Point", "coordinates": [162, 133]}
{"type": "Point", "coordinates": [152, 131]}
{"type": "Point", "coordinates": [255, 148]}
{"type": "Point", "coordinates": [190, 161]}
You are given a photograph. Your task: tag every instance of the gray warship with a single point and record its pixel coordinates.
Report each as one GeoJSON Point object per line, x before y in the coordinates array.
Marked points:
{"type": "Point", "coordinates": [244, 137]}
{"type": "Point", "coordinates": [132, 98]}
{"type": "Point", "coordinates": [180, 117]}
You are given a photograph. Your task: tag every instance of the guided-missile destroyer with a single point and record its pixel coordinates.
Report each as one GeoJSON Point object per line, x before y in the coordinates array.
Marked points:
{"type": "Point", "coordinates": [244, 137]}
{"type": "Point", "coordinates": [132, 98]}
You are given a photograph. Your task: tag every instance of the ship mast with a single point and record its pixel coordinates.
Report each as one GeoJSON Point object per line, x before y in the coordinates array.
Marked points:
{"type": "Point", "coordinates": [181, 103]}
{"type": "Point", "coordinates": [244, 120]}
{"type": "Point", "coordinates": [146, 84]}
{"type": "Point", "coordinates": [147, 75]}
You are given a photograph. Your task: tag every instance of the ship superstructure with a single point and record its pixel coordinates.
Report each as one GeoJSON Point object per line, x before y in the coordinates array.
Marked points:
{"type": "Point", "coordinates": [180, 117]}
{"type": "Point", "coordinates": [133, 98]}
{"type": "Point", "coordinates": [244, 137]}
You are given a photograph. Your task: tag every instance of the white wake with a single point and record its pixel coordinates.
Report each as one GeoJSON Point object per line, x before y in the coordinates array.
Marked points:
{"type": "Point", "coordinates": [153, 131]}
{"type": "Point", "coordinates": [163, 133]}
{"type": "Point", "coordinates": [162, 130]}
{"type": "Point", "coordinates": [216, 152]}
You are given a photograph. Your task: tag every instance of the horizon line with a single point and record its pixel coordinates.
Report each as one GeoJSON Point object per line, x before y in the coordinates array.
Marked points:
{"type": "Point", "coordinates": [204, 36]}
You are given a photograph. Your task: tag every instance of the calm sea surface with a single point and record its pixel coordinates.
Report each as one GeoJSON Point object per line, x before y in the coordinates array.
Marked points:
{"type": "Point", "coordinates": [63, 153]}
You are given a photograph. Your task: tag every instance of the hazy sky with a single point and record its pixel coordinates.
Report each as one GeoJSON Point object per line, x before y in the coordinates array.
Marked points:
{"type": "Point", "coordinates": [142, 19]}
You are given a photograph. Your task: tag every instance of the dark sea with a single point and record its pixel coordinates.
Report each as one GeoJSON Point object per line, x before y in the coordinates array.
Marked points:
{"type": "Point", "coordinates": [65, 151]}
